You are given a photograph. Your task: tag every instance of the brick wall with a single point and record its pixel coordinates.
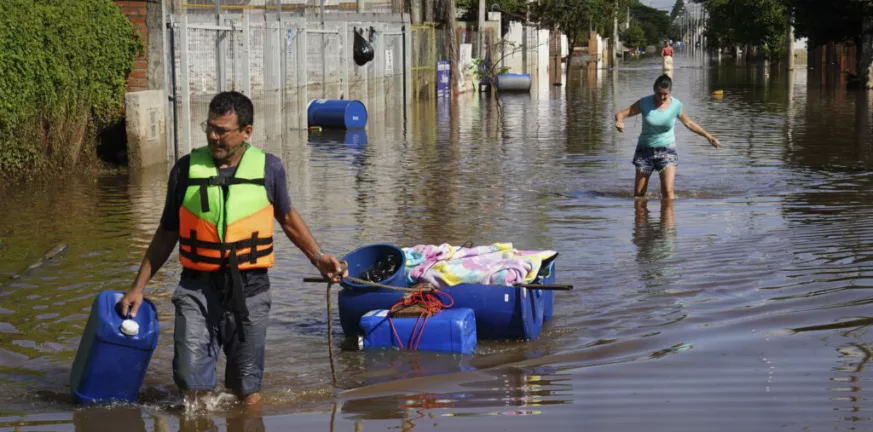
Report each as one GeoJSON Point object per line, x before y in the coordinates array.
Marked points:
{"type": "Point", "coordinates": [135, 11]}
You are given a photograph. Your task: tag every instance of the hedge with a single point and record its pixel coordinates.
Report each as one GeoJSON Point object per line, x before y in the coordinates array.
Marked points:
{"type": "Point", "coordinates": [63, 73]}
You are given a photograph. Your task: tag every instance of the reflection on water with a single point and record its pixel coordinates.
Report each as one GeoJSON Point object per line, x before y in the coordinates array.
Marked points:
{"type": "Point", "coordinates": [744, 302]}
{"type": "Point", "coordinates": [655, 240]}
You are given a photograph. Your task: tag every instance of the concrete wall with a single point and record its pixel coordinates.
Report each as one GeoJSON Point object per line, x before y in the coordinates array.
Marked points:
{"type": "Point", "coordinates": [515, 44]}
{"type": "Point", "coordinates": [146, 128]}
{"type": "Point", "coordinates": [543, 51]}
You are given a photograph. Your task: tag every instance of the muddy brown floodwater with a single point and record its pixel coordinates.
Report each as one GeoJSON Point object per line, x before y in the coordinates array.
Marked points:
{"type": "Point", "coordinates": [744, 305]}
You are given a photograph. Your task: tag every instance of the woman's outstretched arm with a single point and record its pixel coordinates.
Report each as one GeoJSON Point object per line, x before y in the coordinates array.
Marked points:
{"type": "Point", "coordinates": [625, 113]}
{"type": "Point", "coordinates": [694, 127]}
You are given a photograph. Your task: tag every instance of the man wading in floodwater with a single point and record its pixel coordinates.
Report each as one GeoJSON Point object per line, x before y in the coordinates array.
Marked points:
{"type": "Point", "coordinates": [656, 147]}
{"type": "Point", "coordinates": [221, 202]}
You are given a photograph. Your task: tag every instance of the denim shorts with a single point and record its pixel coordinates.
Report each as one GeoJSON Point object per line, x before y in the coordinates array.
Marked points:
{"type": "Point", "coordinates": [648, 159]}
{"type": "Point", "coordinates": [204, 327]}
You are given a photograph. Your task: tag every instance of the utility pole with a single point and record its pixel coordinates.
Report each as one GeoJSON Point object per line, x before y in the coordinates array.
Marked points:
{"type": "Point", "coordinates": [612, 61]}
{"type": "Point", "coordinates": [789, 39]}
{"type": "Point", "coordinates": [481, 38]}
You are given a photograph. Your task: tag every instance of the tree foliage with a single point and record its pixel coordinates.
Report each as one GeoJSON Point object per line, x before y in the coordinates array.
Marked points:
{"type": "Point", "coordinates": [511, 10]}
{"type": "Point", "coordinates": [63, 70]}
{"type": "Point", "coordinates": [746, 22]}
{"type": "Point", "coordinates": [654, 23]}
{"type": "Point", "coordinates": [829, 21]}
{"type": "Point", "coordinates": [678, 9]}
{"type": "Point", "coordinates": [634, 37]}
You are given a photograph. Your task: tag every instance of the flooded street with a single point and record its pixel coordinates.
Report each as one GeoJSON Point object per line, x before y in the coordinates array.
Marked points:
{"type": "Point", "coordinates": [744, 305]}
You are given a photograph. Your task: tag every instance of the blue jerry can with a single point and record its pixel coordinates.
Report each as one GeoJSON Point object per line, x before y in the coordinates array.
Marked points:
{"type": "Point", "coordinates": [111, 361]}
{"type": "Point", "coordinates": [450, 330]}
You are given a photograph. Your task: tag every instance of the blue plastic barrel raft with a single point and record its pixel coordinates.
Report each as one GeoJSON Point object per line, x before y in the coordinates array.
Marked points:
{"type": "Point", "coordinates": [501, 312]}
{"type": "Point", "coordinates": [450, 330]}
{"type": "Point", "coordinates": [513, 82]}
{"type": "Point", "coordinates": [114, 352]}
{"type": "Point", "coordinates": [337, 114]}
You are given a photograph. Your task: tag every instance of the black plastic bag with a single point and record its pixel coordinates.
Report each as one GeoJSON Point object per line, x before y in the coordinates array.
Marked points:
{"type": "Point", "coordinates": [363, 51]}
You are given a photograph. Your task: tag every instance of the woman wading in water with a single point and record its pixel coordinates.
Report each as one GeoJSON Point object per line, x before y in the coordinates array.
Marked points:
{"type": "Point", "coordinates": [656, 146]}
{"type": "Point", "coordinates": [667, 59]}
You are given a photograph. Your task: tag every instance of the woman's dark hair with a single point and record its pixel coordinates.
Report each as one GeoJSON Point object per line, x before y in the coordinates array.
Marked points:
{"type": "Point", "coordinates": [664, 82]}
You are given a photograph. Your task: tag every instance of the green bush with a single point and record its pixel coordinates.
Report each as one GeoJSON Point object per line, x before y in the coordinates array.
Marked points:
{"type": "Point", "coordinates": [63, 72]}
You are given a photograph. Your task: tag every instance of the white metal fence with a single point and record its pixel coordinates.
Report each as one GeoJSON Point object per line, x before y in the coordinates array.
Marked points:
{"type": "Point", "coordinates": [281, 61]}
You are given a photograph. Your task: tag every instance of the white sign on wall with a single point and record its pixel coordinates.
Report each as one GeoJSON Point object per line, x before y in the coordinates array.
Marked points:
{"type": "Point", "coordinates": [465, 61]}
{"type": "Point", "coordinates": [389, 62]}
{"type": "Point", "coordinates": [466, 56]}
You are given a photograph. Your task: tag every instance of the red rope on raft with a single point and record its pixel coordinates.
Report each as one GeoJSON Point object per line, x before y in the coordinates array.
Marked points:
{"type": "Point", "coordinates": [429, 300]}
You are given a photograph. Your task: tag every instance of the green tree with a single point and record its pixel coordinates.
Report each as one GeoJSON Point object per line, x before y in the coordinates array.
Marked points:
{"type": "Point", "coordinates": [573, 18]}
{"type": "Point", "coordinates": [678, 9]}
{"type": "Point", "coordinates": [654, 23]}
{"type": "Point", "coordinates": [634, 37]}
{"type": "Point", "coordinates": [510, 10]}
{"type": "Point", "coordinates": [825, 22]}
{"type": "Point", "coordinates": [749, 23]}
{"type": "Point", "coordinates": [838, 22]}
{"type": "Point", "coordinates": [63, 72]}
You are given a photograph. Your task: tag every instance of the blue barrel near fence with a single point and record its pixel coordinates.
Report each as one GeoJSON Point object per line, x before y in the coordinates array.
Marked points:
{"type": "Point", "coordinates": [114, 353]}
{"type": "Point", "coordinates": [337, 114]}
{"type": "Point", "coordinates": [513, 82]}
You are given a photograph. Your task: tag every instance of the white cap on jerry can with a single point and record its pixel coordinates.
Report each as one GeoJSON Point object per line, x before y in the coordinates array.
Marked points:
{"type": "Point", "coordinates": [129, 327]}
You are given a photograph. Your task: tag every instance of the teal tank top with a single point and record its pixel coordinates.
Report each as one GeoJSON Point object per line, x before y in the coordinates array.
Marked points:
{"type": "Point", "coordinates": [658, 124]}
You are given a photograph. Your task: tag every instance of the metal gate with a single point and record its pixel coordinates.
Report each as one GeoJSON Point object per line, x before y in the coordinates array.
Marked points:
{"type": "Point", "coordinates": [198, 72]}
{"type": "Point", "coordinates": [281, 62]}
{"type": "Point", "coordinates": [424, 61]}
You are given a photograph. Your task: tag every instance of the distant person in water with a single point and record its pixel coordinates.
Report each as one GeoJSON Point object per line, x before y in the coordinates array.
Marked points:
{"type": "Point", "coordinates": [667, 58]}
{"type": "Point", "coordinates": [656, 147]}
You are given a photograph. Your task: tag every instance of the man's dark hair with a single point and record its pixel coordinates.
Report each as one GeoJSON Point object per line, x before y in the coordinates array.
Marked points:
{"type": "Point", "coordinates": [231, 102]}
{"type": "Point", "coordinates": [664, 82]}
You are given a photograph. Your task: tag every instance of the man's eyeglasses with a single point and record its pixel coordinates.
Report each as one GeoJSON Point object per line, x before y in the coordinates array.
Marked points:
{"type": "Point", "coordinates": [219, 132]}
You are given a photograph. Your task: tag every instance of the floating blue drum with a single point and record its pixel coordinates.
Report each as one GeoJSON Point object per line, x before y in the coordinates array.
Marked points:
{"type": "Point", "coordinates": [502, 312]}
{"type": "Point", "coordinates": [365, 258]}
{"type": "Point", "coordinates": [513, 82]}
{"type": "Point", "coordinates": [450, 330]}
{"type": "Point", "coordinates": [357, 299]}
{"type": "Point", "coordinates": [114, 352]}
{"type": "Point", "coordinates": [337, 114]}
{"type": "Point", "coordinates": [354, 304]}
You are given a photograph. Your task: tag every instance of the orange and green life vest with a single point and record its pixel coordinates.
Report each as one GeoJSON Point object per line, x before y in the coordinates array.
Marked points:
{"type": "Point", "coordinates": [226, 223]}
